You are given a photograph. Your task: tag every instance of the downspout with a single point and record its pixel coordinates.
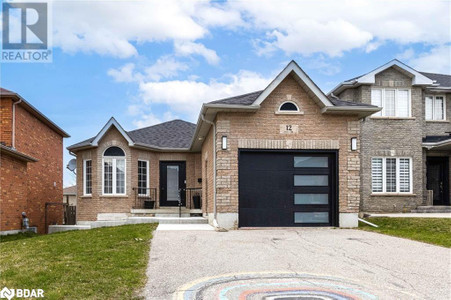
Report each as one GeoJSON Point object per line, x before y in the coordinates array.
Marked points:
{"type": "Point", "coordinates": [215, 222]}
{"type": "Point", "coordinates": [14, 124]}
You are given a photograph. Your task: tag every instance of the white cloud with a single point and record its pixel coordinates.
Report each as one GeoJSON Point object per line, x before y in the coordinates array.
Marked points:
{"type": "Point", "coordinates": [186, 96]}
{"type": "Point", "coordinates": [436, 60]}
{"type": "Point", "coordinates": [333, 27]}
{"type": "Point", "coordinates": [114, 27]}
{"type": "Point", "coordinates": [126, 73]}
{"type": "Point", "coordinates": [186, 48]}
{"type": "Point", "coordinates": [152, 119]}
{"type": "Point", "coordinates": [164, 67]}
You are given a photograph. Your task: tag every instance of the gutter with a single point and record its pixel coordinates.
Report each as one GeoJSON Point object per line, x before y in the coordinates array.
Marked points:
{"type": "Point", "coordinates": [215, 222]}
{"type": "Point", "coordinates": [14, 123]}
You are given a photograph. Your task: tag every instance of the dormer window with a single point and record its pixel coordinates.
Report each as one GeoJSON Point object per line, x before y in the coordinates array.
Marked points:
{"type": "Point", "coordinates": [289, 107]}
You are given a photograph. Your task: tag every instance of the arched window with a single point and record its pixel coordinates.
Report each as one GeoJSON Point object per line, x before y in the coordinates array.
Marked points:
{"type": "Point", "coordinates": [288, 107]}
{"type": "Point", "coordinates": [114, 171]}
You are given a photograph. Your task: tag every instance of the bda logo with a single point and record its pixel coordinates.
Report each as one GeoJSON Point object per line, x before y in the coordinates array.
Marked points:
{"type": "Point", "coordinates": [7, 293]}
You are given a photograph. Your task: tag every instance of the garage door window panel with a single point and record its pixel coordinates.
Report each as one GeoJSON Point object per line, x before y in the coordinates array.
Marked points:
{"type": "Point", "coordinates": [311, 217]}
{"type": "Point", "coordinates": [311, 180]}
{"type": "Point", "coordinates": [311, 161]}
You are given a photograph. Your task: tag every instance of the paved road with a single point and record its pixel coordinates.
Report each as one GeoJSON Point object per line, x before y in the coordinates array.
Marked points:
{"type": "Point", "coordinates": [332, 263]}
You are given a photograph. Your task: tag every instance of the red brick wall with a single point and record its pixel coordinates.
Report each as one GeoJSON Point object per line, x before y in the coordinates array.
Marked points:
{"type": "Point", "coordinates": [13, 197]}
{"type": "Point", "coordinates": [45, 177]}
{"type": "Point", "coordinates": [6, 121]}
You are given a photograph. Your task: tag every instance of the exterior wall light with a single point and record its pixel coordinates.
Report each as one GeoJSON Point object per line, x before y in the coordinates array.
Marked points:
{"type": "Point", "coordinates": [224, 143]}
{"type": "Point", "coordinates": [353, 144]}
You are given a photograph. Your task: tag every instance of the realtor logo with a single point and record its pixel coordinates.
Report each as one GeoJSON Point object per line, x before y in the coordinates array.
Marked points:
{"type": "Point", "coordinates": [21, 293]}
{"type": "Point", "coordinates": [7, 293]}
{"type": "Point", "coordinates": [25, 32]}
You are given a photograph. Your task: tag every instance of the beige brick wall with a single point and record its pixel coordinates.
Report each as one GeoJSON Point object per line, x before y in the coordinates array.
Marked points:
{"type": "Point", "coordinates": [89, 206]}
{"type": "Point", "coordinates": [264, 129]}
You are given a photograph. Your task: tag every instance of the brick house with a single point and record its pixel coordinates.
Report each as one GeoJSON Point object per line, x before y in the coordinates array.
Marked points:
{"type": "Point", "coordinates": [406, 147]}
{"type": "Point", "coordinates": [31, 153]}
{"type": "Point", "coordinates": [284, 156]}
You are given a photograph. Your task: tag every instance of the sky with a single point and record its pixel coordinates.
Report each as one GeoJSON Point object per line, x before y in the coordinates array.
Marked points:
{"type": "Point", "coordinates": [146, 62]}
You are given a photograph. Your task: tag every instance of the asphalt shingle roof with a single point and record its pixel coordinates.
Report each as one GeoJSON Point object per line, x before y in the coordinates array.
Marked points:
{"type": "Point", "coordinates": [443, 79]}
{"type": "Point", "coordinates": [245, 99]}
{"type": "Point", "coordinates": [176, 134]}
{"type": "Point", "coordinates": [172, 134]}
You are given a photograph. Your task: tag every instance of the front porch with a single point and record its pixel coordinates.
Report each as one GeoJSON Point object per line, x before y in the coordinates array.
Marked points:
{"type": "Point", "coordinates": [187, 203]}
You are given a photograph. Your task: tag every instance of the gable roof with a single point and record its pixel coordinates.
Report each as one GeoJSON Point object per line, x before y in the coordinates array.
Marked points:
{"type": "Point", "coordinates": [245, 99]}
{"type": "Point", "coordinates": [171, 135]}
{"type": "Point", "coordinates": [70, 190]}
{"type": "Point", "coordinates": [302, 78]}
{"type": "Point", "coordinates": [34, 111]}
{"type": "Point", "coordinates": [443, 80]}
{"type": "Point", "coordinates": [418, 78]}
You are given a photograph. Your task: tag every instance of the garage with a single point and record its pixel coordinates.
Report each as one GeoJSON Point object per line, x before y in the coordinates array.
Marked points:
{"type": "Point", "coordinates": [284, 189]}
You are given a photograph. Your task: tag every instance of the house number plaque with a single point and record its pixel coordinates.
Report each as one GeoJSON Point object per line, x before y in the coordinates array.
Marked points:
{"type": "Point", "coordinates": [289, 128]}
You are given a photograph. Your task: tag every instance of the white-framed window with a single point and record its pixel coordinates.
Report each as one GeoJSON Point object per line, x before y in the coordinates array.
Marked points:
{"type": "Point", "coordinates": [113, 171]}
{"type": "Point", "coordinates": [87, 177]}
{"type": "Point", "coordinates": [391, 175]}
{"type": "Point", "coordinates": [288, 107]}
{"type": "Point", "coordinates": [435, 108]}
{"type": "Point", "coordinates": [394, 102]}
{"type": "Point", "coordinates": [143, 177]}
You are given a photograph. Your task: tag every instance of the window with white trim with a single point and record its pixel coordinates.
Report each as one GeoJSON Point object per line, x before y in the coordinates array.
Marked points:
{"type": "Point", "coordinates": [288, 106]}
{"type": "Point", "coordinates": [435, 108]}
{"type": "Point", "coordinates": [394, 102]}
{"type": "Point", "coordinates": [87, 177]}
{"type": "Point", "coordinates": [391, 175]}
{"type": "Point", "coordinates": [143, 177]}
{"type": "Point", "coordinates": [113, 171]}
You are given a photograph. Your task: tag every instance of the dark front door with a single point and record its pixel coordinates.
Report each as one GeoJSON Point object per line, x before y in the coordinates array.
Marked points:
{"type": "Point", "coordinates": [172, 183]}
{"type": "Point", "coordinates": [281, 189]}
{"type": "Point", "coordinates": [438, 179]}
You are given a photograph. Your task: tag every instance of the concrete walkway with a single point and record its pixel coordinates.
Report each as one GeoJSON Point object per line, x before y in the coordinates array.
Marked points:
{"type": "Point", "coordinates": [290, 263]}
{"type": "Point", "coordinates": [414, 215]}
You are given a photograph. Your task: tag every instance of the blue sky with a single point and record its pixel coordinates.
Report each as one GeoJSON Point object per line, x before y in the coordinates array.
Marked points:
{"type": "Point", "coordinates": [145, 62]}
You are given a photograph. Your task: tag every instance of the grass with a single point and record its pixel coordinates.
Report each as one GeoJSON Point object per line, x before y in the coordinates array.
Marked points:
{"type": "Point", "coordinates": [15, 237]}
{"type": "Point", "coordinates": [429, 230]}
{"type": "Point", "coordinates": [103, 263]}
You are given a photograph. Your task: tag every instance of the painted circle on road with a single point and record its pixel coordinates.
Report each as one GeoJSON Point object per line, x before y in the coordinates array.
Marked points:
{"type": "Point", "coordinates": [276, 286]}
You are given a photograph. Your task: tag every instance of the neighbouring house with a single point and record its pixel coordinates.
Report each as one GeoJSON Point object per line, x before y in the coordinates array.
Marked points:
{"type": "Point", "coordinates": [70, 195]}
{"type": "Point", "coordinates": [31, 153]}
{"type": "Point", "coordinates": [406, 147]}
{"type": "Point", "coordinates": [288, 155]}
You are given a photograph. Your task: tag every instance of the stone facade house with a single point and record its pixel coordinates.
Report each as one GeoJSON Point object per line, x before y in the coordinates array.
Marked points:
{"type": "Point", "coordinates": [406, 147]}
{"type": "Point", "coordinates": [31, 153]}
{"type": "Point", "coordinates": [288, 155]}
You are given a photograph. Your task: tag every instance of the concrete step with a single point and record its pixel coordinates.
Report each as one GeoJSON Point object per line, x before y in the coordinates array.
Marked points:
{"type": "Point", "coordinates": [433, 209]}
{"type": "Point", "coordinates": [168, 220]}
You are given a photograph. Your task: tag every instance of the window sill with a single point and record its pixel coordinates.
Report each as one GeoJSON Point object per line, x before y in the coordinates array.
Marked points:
{"type": "Point", "coordinates": [113, 196]}
{"type": "Point", "coordinates": [393, 195]}
{"type": "Point", "coordinates": [392, 118]}
{"type": "Point", "coordinates": [289, 112]}
{"type": "Point", "coordinates": [86, 196]}
{"type": "Point", "coordinates": [437, 121]}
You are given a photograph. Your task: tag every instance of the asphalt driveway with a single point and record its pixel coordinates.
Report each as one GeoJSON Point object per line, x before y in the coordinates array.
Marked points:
{"type": "Point", "coordinates": [272, 264]}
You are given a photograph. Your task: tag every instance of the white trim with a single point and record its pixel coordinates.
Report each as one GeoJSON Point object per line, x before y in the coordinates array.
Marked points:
{"type": "Point", "coordinates": [302, 76]}
{"type": "Point", "coordinates": [418, 78]}
{"type": "Point", "coordinates": [111, 122]}
{"type": "Point", "coordinates": [84, 177]}
{"type": "Point", "coordinates": [114, 173]}
{"type": "Point", "coordinates": [384, 176]}
{"type": "Point", "coordinates": [147, 177]}
{"type": "Point", "coordinates": [383, 90]}
{"type": "Point", "coordinates": [433, 108]}
{"type": "Point", "coordinates": [288, 101]}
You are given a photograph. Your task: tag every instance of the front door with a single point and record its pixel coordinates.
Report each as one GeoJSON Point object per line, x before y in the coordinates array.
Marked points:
{"type": "Point", "coordinates": [172, 183]}
{"type": "Point", "coordinates": [438, 179]}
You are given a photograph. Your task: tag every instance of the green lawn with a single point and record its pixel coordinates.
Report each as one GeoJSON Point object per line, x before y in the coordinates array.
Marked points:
{"type": "Point", "coordinates": [429, 230]}
{"type": "Point", "coordinates": [104, 263]}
